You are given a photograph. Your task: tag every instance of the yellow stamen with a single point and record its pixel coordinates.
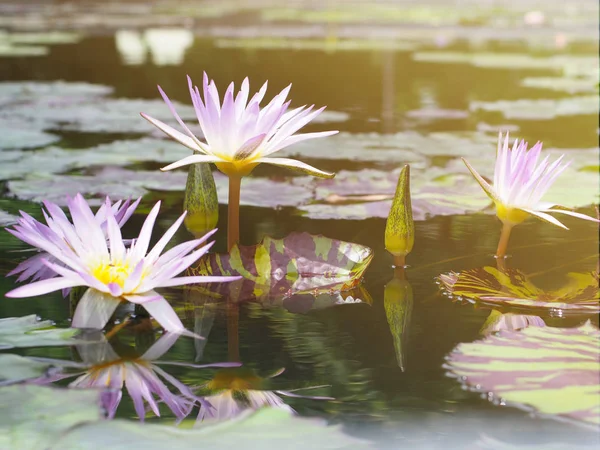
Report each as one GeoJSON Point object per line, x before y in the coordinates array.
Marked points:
{"type": "Point", "coordinates": [112, 273]}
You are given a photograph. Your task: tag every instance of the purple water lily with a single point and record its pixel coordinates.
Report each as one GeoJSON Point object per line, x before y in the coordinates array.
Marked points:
{"type": "Point", "coordinates": [34, 268]}
{"type": "Point", "coordinates": [239, 135]}
{"type": "Point", "coordinates": [112, 272]}
{"type": "Point", "coordinates": [519, 185]}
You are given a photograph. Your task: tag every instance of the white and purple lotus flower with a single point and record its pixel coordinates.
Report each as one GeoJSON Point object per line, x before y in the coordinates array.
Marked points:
{"type": "Point", "coordinates": [239, 134]}
{"type": "Point", "coordinates": [112, 272]}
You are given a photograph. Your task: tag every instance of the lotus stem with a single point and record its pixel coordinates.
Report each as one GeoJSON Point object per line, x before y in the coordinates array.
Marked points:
{"type": "Point", "coordinates": [503, 243]}
{"type": "Point", "coordinates": [399, 261]}
{"type": "Point", "coordinates": [233, 209]}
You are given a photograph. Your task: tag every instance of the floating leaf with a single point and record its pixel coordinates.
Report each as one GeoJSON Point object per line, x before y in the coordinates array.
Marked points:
{"type": "Point", "coordinates": [300, 263]}
{"type": "Point", "coordinates": [34, 417]}
{"type": "Point", "coordinates": [551, 370]}
{"type": "Point", "coordinates": [18, 137]}
{"type": "Point", "coordinates": [511, 287]}
{"type": "Point", "coordinates": [28, 331]}
{"type": "Point", "coordinates": [570, 85]}
{"type": "Point", "coordinates": [16, 368]}
{"type": "Point", "coordinates": [7, 219]}
{"type": "Point", "coordinates": [541, 109]}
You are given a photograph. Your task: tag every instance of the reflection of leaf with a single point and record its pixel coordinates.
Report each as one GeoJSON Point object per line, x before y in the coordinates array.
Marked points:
{"type": "Point", "coordinates": [33, 417]}
{"type": "Point", "coordinates": [553, 370]}
{"type": "Point", "coordinates": [27, 331]}
{"type": "Point", "coordinates": [297, 264]}
{"type": "Point", "coordinates": [512, 288]}
{"type": "Point", "coordinates": [398, 303]}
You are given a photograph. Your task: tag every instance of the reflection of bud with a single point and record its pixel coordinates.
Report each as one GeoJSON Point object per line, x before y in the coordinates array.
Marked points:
{"type": "Point", "coordinates": [400, 228]}
{"type": "Point", "coordinates": [201, 201]}
{"type": "Point", "coordinates": [398, 303]}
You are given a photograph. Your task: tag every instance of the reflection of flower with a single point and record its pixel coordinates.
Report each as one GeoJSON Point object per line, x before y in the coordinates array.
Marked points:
{"type": "Point", "coordinates": [232, 392]}
{"type": "Point", "coordinates": [141, 375]}
{"type": "Point", "coordinates": [239, 134]}
{"type": "Point", "coordinates": [519, 185]}
{"type": "Point", "coordinates": [497, 321]}
{"type": "Point", "coordinates": [35, 268]}
{"type": "Point", "coordinates": [112, 273]}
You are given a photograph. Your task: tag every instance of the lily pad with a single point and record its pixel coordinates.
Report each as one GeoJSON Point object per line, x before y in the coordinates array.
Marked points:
{"type": "Point", "coordinates": [507, 60]}
{"type": "Point", "coordinates": [45, 38]}
{"type": "Point", "coordinates": [326, 45]}
{"type": "Point", "coordinates": [300, 263]}
{"type": "Point", "coordinates": [16, 368]}
{"type": "Point", "coordinates": [28, 331]}
{"type": "Point", "coordinates": [551, 370]}
{"type": "Point", "coordinates": [368, 193]}
{"type": "Point", "coordinates": [570, 85]}
{"type": "Point", "coordinates": [17, 137]}
{"type": "Point", "coordinates": [511, 287]}
{"type": "Point", "coordinates": [7, 219]}
{"type": "Point", "coordinates": [541, 109]}
{"type": "Point", "coordinates": [35, 417]}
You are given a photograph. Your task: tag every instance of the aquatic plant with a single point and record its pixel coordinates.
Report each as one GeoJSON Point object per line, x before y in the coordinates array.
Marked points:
{"type": "Point", "coordinates": [519, 185]}
{"type": "Point", "coordinates": [34, 268]}
{"type": "Point", "coordinates": [112, 272]}
{"type": "Point", "coordinates": [551, 370]}
{"type": "Point", "coordinates": [399, 227]}
{"type": "Point", "coordinates": [240, 135]}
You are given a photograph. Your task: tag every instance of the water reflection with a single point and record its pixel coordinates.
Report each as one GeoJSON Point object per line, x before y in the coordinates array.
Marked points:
{"type": "Point", "coordinates": [166, 47]}
{"type": "Point", "coordinates": [398, 303]}
{"type": "Point", "coordinates": [498, 321]}
{"type": "Point", "coordinates": [112, 364]}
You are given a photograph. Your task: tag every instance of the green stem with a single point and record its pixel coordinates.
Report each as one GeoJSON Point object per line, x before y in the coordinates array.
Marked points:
{"type": "Point", "coordinates": [233, 210]}
{"type": "Point", "coordinates": [399, 261]}
{"type": "Point", "coordinates": [503, 243]}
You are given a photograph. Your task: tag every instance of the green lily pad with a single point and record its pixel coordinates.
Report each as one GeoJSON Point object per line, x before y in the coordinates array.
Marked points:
{"type": "Point", "coordinates": [511, 287]}
{"type": "Point", "coordinates": [8, 50]}
{"type": "Point", "coordinates": [44, 38]}
{"type": "Point", "coordinates": [570, 85]}
{"type": "Point", "coordinates": [541, 109]}
{"type": "Point", "coordinates": [300, 263]}
{"type": "Point", "coordinates": [7, 219]}
{"type": "Point", "coordinates": [28, 331]}
{"type": "Point", "coordinates": [35, 417]}
{"type": "Point", "coordinates": [16, 368]}
{"type": "Point", "coordinates": [553, 371]}
{"type": "Point", "coordinates": [19, 137]}
{"type": "Point", "coordinates": [507, 60]}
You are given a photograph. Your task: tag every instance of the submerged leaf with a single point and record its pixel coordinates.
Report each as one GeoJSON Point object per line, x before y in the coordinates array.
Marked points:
{"type": "Point", "coordinates": [551, 370]}
{"type": "Point", "coordinates": [300, 263]}
{"type": "Point", "coordinates": [28, 331]}
{"type": "Point", "coordinates": [511, 287]}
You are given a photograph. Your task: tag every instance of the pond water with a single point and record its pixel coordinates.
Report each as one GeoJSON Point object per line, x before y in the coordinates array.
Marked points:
{"type": "Point", "coordinates": [386, 100]}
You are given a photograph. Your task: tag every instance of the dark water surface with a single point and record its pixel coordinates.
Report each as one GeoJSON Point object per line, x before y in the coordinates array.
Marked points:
{"type": "Point", "coordinates": [347, 347]}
